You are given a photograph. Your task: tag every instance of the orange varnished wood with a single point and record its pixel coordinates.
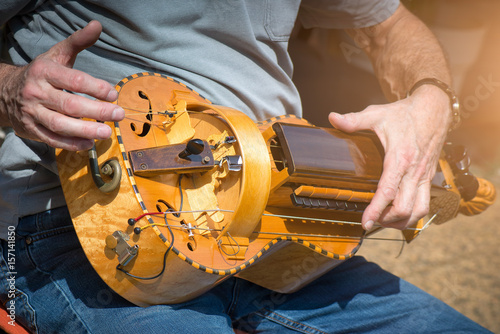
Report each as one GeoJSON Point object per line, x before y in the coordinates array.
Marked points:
{"type": "Point", "coordinates": [96, 215]}
{"type": "Point", "coordinates": [243, 221]}
{"type": "Point", "coordinates": [333, 193]}
{"type": "Point", "coordinates": [288, 268]}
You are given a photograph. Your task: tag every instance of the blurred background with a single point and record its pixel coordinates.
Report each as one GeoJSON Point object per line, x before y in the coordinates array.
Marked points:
{"type": "Point", "coordinates": [333, 74]}
{"type": "Point", "coordinates": [459, 261]}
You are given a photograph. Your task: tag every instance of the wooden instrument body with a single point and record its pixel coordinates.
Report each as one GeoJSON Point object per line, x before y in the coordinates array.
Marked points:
{"type": "Point", "coordinates": [232, 222]}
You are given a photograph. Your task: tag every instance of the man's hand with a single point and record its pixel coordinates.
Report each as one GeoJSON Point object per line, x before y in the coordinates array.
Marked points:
{"type": "Point", "coordinates": [412, 132]}
{"type": "Point", "coordinates": [38, 103]}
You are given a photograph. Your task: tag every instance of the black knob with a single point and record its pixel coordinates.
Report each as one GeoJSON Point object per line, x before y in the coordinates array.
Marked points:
{"type": "Point", "coordinates": [194, 146]}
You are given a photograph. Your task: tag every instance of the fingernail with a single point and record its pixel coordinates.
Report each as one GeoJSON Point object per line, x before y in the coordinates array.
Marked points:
{"type": "Point", "coordinates": [112, 95]}
{"type": "Point", "coordinates": [118, 114]}
{"type": "Point", "coordinates": [85, 145]}
{"type": "Point", "coordinates": [336, 115]}
{"type": "Point", "coordinates": [368, 225]}
{"type": "Point", "coordinates": [103, 132]}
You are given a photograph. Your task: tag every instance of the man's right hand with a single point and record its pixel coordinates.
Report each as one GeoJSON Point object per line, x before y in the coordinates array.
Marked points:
{"type": "Point", "coordinates": [36, 100]}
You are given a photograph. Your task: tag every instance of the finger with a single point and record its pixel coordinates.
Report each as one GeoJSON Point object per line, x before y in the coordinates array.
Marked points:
{"type": "Point", "coordinates": [422, 202]}
{"type": "Point", "coordinates": [351, 122]}
{"type": "Point", "coordinates": [403, 203]}
{"type": "Point", "coordinates": [65, 52]}
{"type": "Point", "coordinates": [386, 192]}
{"type": "Point", "coordinates": [80, 82]}
{"type": "Point", "coordinates": [400, 213]}
{"type": "Point", "coordinates": [419, 209]}
{"type": "Point", "coordinates": [66, 126]}
{"type": "Point", "coordinates": [72, 80]}
{"type": "Point", "coordinates": [79, 106]}
{"type": "Point", "coordinates": [55, 140]}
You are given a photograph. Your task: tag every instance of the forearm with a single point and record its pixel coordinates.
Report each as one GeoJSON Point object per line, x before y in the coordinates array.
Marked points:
{"type": "Point", "coordinates": [7, 91]}
{"type": "Point", "coordinates": [403, 51]}
{"type": "Point", "coordinates": [412, 130]}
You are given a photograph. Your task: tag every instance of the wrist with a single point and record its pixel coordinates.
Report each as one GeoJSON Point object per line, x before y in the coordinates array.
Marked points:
{"type": "Point", "coordinates": [10, 76]}
{"type": "Point", "coordinates": [454, 105]}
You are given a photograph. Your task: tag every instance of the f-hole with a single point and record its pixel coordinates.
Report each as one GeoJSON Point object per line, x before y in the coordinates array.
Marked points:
{"type": "Point", "coordinates": [169, 207]}
{"type": "Point", "coordinates": [146, 126]}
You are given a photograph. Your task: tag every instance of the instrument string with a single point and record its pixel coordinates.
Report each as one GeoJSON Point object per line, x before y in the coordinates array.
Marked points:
{"type": "Point", "coordinates": [193, 228]}
{"type": "Point", "coordinates": [152, 112]}
{"type": "Point", "coordinates": [166, 112]}
{"type": "Point", "coordinates": [274, 144]}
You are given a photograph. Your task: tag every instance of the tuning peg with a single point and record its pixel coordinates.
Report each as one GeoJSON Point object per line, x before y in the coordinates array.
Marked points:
{"type": "Point", "coordinates": [194, 146]}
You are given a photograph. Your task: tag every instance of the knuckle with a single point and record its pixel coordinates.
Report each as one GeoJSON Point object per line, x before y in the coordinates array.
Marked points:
{"type": "Point", "coordinates": [40, 69]}
{"type": "Point", "coordinates": [408, 158]}
{"type": "Point", "coordinates": [56, 123]}
{"type": "Point", "coordinates": [102, 87]}
{"type": "Point", "coordinates": [105, 111]}
{"type": "Point", "coordinates": [401, 212]}
{"type": "Point", "coordinates": [389, 192]}
{"type": "Point", "coordinates": [70, 106]}
{"type": "Point", "coordinates": [77, 81]}
{"type": "Point", "coordinates": [87, 130]}
{"type": "Point", "coordinates": [37, 68]}
{"type": "Point", "coordinates": [30, 91]}
{"type": "Point", "coordinates": [98, 110]}
{"type": "Point", "coordinates": [352, 120]}
{"type": "Point", "coordinates": [425, 172]}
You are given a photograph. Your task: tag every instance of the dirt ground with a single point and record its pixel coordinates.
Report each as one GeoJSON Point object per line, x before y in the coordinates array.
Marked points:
{"type": "Point", "coordinates": [458, 262]}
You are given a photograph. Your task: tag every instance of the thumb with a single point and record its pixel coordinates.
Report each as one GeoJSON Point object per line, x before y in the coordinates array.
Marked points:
{"type": "Point", "coordinates": [348, 122]}
{"type": "Point", "coordinates": [65, 52]}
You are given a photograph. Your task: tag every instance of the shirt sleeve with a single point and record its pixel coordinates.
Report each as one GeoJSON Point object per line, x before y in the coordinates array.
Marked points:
{"type": "Point", "coordinates": [344, 14]}
{"type": "Point", "coordinates": [10, 8]}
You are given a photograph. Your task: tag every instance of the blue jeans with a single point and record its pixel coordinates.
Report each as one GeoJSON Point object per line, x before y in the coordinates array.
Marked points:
{"type": "Point", "coordinates": [57, 291]}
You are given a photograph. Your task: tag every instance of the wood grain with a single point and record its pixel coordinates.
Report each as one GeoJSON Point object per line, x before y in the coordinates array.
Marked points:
{"type": "Point", "coordinates": [227, 222]}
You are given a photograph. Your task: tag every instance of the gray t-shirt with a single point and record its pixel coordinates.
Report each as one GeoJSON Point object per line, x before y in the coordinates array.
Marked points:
{"type": "Point", "coordinates": [234, 52]}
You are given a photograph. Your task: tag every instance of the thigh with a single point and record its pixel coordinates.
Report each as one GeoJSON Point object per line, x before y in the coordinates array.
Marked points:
{"type": "Point", "coordinates": [356, 297]}
{"type": "Point", "coordinates": [57, 291]}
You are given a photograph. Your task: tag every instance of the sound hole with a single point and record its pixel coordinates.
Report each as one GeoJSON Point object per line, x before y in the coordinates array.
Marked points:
{"type": "Point", "coordinates": [146, 126]}
{"type": "Point", "coordinates": [163, 206]}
